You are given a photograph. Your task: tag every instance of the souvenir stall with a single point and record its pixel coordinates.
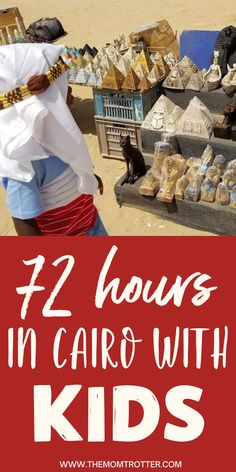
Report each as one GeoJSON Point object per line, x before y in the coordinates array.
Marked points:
{"type": "Point", "coordinates": [188, 140]}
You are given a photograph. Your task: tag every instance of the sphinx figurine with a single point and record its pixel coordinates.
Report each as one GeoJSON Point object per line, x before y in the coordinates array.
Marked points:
{"type": "Point", "coordinates": [151, 182]}
{"type": "Point", "coordinates": [173, 167]}
{"type": "Point", "coordinates": [193, 164]}
{"type": "Point", "coordinates": [222, 194]}
{"type": "Point", "coordinates": [208, 190]}
{"type": "Point", "coordinates": [181, 185]}
{"type": "Point", "coordinates": [212, 78]}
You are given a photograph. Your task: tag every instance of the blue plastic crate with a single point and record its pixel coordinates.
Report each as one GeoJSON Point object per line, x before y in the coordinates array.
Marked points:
{"type": "Point", "coordinates": [122, 105]}
{"type": "Point", "coordinates": [198, 45]}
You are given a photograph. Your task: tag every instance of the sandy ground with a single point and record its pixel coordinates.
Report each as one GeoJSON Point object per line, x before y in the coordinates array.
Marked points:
{"type": "Point", "coordinates": [96, 22]}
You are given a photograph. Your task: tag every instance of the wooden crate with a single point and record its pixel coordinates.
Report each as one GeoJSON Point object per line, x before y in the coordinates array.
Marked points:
{"type": "Point", "coordinates": [109, 133]}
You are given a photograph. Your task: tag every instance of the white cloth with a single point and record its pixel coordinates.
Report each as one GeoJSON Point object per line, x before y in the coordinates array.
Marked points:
{"type": "Point", "coordinates": [39, 122]}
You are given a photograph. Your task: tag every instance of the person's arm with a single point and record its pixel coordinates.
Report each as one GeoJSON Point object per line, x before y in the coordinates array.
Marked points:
{"type": "Point", "coordinates": [100, 184]}
{"type": "Point", "coordinates": [26, 227]}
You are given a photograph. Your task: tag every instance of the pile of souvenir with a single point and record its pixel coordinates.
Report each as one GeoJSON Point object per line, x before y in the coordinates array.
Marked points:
{"type": "Point", "coordinates": [196, 120]}
{"type": "Point", "coordinates": [207, 178]}
{"type": "Point", "coordinates": [117, 66]}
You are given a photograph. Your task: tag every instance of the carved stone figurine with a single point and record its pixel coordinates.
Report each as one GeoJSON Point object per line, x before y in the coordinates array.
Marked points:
{"type": "Point", "coordinates": [193, 189]}
{"type": "Point", "coordinates": [222, 194]}
{"type": "Point", "coordinates": [233, 198]}
{"type": "Point", "coordinates": [208, 190]}
{"type": "Point", "coordinates": [207, 159]}
{"type": "Point", "coordinates": [173, 167]}
{"type": "Point", "coordinates": [181, 185]}
{"type": "Point", "coordinates": [134, 160]}
{"type": "Point", "coordinates": [212, 78]}
{"type": "Point", "coordinates": [151, 182]}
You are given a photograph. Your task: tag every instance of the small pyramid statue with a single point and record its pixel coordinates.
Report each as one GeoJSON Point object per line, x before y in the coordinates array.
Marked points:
{"type": "Point", "coordinates": [113, 79]}
{"type": "Point", "coordinates": [144, 59]}
{"type": "Point", "coordinates": [88, 57]}
{"type": "Point", "coordinates": [140, 70]}
{"type": "Point", "coordinates": [195, 82]}
{"type": "Point", "coordinates": [89, 68]}
{"type": "Point", "coordinates": [144, 84]}
{"type": "Point", "coordinates": [80, 61]}
{"type": "Point", "coordinates": [131, 81]}
{"type": "Point", "coordinates": [176, 79]}
{"type": "Point", "coordinates": [187, 66]}
{"type": "Point", "coordinates": [82, 77]}
{"type": "Point", "coordinates": [196, 120]}
{"type": "Point", "coordinates": [131, 55]}
{"type": "Point", "coordinates": [123, 65]}
{"type": "Point", "coordinates": [154, 75]}
{"type": "Point", "coordinates": [162, 65]}
{"type": "Point", "coordinates": [93, 80]}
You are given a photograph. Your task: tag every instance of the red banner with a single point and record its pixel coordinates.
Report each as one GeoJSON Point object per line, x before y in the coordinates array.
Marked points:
{"type": "Point", "coordinates": [117, 353]}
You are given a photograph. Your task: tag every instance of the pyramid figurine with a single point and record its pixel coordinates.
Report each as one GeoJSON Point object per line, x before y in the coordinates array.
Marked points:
{"type": "Point", "coordinates": [113, 79]}
{"type": "Point", "coordinates": [82, 77]}
{"type": "Point", "coordinates": [144, 84]}
{"type": "Point", "coordinates": [131, 55]}
{"type": "Point", "coordinates": [196, 120]}
{"type": "Point", "coordinates": [154, 75]}
{"type": "Point", "coordinates": [162, 65]}
{"type": "Point", "coordinates": [80, 61]}
{"type": "Point", "coordinates": [176, 79]}
{"type": "Point", "coordinates": [131, 81]}
{"type": "Point", "coordinates": [156, 117]}
{"type": "Point", "coordinates": [187, 66]}
{"type": "Point", "coordinates": [144, 59]}
{"type": "Point", "coordinates": [195, 82]}
{"type": "Point", "coordinates": [123, 65]}
{"type": "Point", "coordinates": [140, 70]}
{"type": "Point", "coordinates": [93, 80]}
{"type": "Point", "coordinates": [88, 57]}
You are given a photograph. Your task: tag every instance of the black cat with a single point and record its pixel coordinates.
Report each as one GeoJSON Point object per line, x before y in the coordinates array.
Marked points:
{"type": "Point", "coordinates": [134, 160]}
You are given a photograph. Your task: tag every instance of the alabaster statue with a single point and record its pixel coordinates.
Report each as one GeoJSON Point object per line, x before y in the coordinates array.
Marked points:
{"type": "Point", "coordinates": [214, 173]}
{"type": "Point", "coordinates": [208, 190]}
{"type": "Point", "coordinates": [192, 191]}
{"type": "Point", "coordinates": [207, 160]}
{"type": "Point", "coordinates": [233, 198]}
{"type": "Point", "coordinates": [151, 182]}
{"type": "Point", "coordinates": [173, 167]}
{"type": "Point", "coordinates": [181, 185]}
{"type": "Point", "coordinates": [212, 78]}
{"type": "Point", "coordinates": [222, 194]}
{"type": "Point", "coordinates": [229, 179]}
{"type": "Point", "coordinates": [229, 80]}
{"type": "Point", "coordinates": [219, 162]}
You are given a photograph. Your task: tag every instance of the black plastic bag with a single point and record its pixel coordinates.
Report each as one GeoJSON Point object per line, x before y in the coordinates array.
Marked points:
{"type": "Point", "coordinates": [45, 30]}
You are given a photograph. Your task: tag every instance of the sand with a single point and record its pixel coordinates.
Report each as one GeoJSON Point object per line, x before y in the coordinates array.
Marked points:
{"type": "Point", "coordinates": [96, 22]}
